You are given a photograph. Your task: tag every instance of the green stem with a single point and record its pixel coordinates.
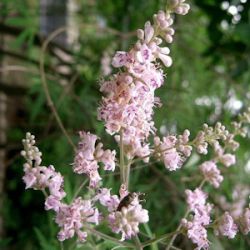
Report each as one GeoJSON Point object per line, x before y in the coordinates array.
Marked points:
{"type": "Point", "coordinates": [161, 238]}
{"type": "Point", "coordinates": [109, 238]}
{"type": "Point", "coordinates": [61, 246]}
{"type": "Point", "coordinates": [79, 189]}
{"type": "Point", "coordinates": [170, 244]}
{"type": "Point", "coordinates": [127, 174]}
{"type": "Point", "coordinates": [122, 164]}
{"type": "Point", "coordinates": [138, 243]}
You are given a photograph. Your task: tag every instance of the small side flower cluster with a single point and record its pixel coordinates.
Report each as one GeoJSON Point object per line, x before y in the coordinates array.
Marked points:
{"type": "Point", "coordinates": [195, 227]}
{"type": "Point", "coordinates": [211, 136]}
{"type": "Point", "coordinates": [89, 155]}
{"type": "Point", "coordinates": [41, 177]}
{"type": "Point", "coordinates": [211, 173]}
{"type": "Point", "coordinates": [126, 212]}
{"type": "Point", "coordinates": [129, 100]}
{"type": "Point", "coordinates": [173, 150]}
{"type": "Point", "coordinates": [70, 218]}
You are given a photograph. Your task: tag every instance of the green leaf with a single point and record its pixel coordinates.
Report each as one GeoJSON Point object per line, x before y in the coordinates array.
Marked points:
{"type": "Point", "coordinates": [44, 243]}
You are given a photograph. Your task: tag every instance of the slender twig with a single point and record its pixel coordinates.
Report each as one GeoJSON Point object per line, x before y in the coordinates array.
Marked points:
{"type": "Point", "coordinates": [170, 244]}
{"type": "Point", "coordinates": [175, 248]}
{"type": "Point", "coordinates": [79, 189]}
{"type": "Point", "coordinates": [109, 238]}
{"type": "Point", "coordinates": [138, 243]}
{"type": "Point", "coordinates": [61, 246]}
{"type": "Point", "coordinates": [45, 85]}
{"type": "Point", "coordinates": [60, 99]}
{"type": "Point", "coordinates": [122, 164]}
{"type": "Point", "coordinates": [45, 193]}
{"type": "Point", "coordinates": [160, 238]}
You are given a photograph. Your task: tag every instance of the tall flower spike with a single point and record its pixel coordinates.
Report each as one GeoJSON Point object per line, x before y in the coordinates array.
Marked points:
{"type": "Point", "coordinates": [129, 101]}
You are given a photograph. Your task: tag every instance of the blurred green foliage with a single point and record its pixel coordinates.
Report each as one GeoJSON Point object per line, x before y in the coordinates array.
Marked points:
{"type": "Point", "coordinates": [208, 82]}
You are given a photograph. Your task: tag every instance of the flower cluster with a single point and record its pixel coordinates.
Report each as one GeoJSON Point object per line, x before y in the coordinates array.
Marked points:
{"type": "Point", "coordinates": [70, 218]}
{"type": "Point", "coordinates": [127, 107]}
{"type": "Point", "coordinates": [195, 227]}
{"type": "Point", "coordinates": [123, 218]}
{"type": "Point", "coordinates": [41, 177]}
{"type": "Point", "coordinates": [89, 155]}
{"type": "Point", "coordinates": [173, 150]}
{"type": "Point", "coordinates": [211, 173]}
{"type": "Point", "coordinates": [211, 136]}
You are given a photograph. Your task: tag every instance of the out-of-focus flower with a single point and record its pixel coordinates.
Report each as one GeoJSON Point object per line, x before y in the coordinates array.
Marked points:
{"type": "Point", "coordinates": [211, 173]}
{"type": "Point", "coordinates": [226, 226]}
{"type": "Point", "coordinates": [244, 221]}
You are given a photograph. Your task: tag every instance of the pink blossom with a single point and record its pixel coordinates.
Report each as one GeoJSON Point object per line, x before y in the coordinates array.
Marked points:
{"type": "Point", "coordinates": [196, 230]}
{"type": "Point", "coordinates": [127, 220]}
{"type": "Point", "coordinates": [196, 198]}
{"type": "Point", "coordinates": [227, 159]}
{"type": "Point", "coordinates": [202, 214]}
{"type": "Point", "coordinates": [128, 105]}
{"type": "Point", "coordinates": [144, 54]}
{"type": "Point", "coordinates": [53, 203]}
{"type": "Point", "coordinates": [107, 200]}
{"type": "Point", "coordinates": [108, 159]}
{"type": "Point", "coordinates": [211, 173]}
{"type": "Point", "coordinates": [120, 59]}
{"type": "Point", "coordinates": [71, 219]}
{"type": "Point", "coordinates": [226, 226]}
{"type": "Point", "coordinates": [197, 233]}
{"type": "Point", "coordinates": [172, 160]}
{"type": "Point", "coordinates": [166, 150]}
{"type": "Point", "coordinates": [42, 177]}
{"type": "Point", "coordinates": [183, 143]}
{"type": "Point", "coordinates": [88, 156]}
